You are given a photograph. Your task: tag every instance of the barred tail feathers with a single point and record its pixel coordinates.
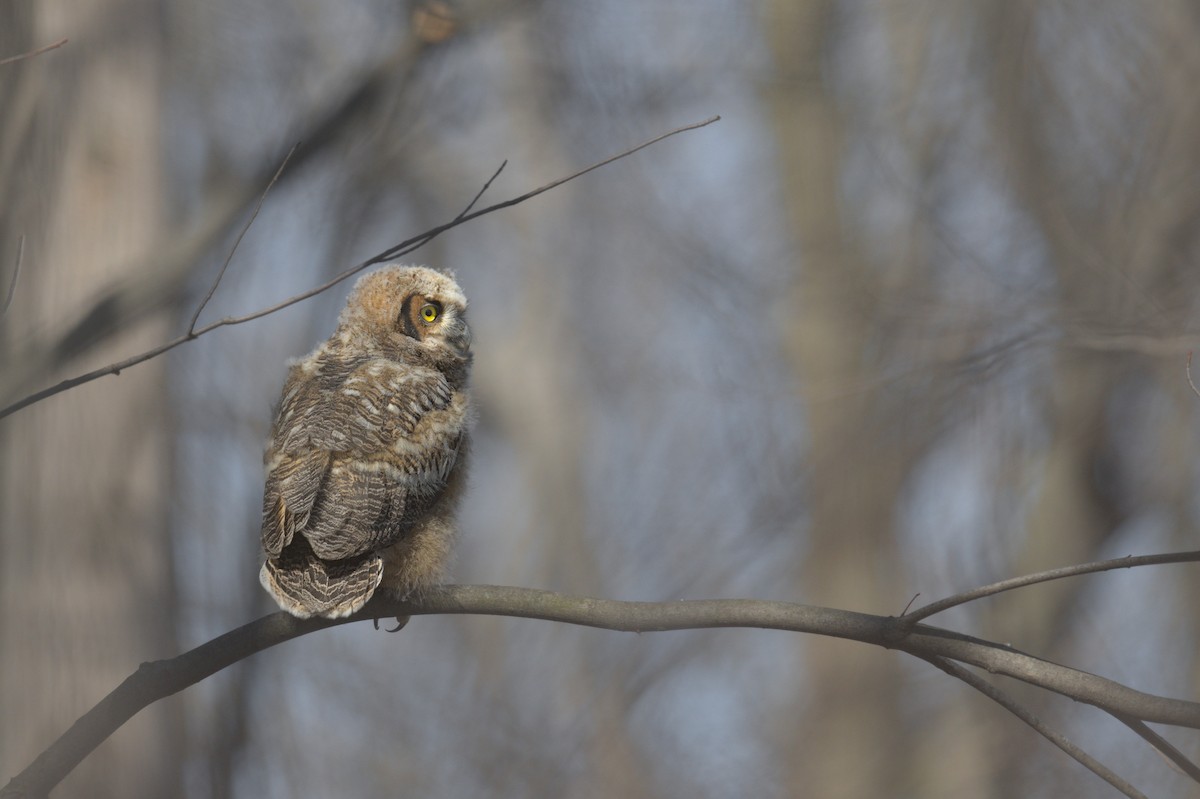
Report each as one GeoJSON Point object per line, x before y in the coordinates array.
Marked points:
{"type": "Point", "coordinates": [304, 585]}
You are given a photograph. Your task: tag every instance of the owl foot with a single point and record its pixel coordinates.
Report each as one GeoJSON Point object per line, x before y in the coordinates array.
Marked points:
{"type": "Point", "coordinates": [401, 621]}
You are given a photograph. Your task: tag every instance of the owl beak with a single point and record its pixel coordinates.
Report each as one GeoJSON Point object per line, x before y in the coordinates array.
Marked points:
{"type": "Point", "coordinates": [458, 335]}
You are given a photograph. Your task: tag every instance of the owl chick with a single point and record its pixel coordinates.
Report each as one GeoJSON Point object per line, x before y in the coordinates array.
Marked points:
{"type": "Point", "coordinates": [366, 457]}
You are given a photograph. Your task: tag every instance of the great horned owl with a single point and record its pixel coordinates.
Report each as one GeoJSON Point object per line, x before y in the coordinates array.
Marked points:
{"type": "Point", "coordinates": [366, 458]}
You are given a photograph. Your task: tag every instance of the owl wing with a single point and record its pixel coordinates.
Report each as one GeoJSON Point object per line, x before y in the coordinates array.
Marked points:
{"type": "Point", "coordinates": [362, 455]}
{"type": "Point", "coordinates": [295, 467]}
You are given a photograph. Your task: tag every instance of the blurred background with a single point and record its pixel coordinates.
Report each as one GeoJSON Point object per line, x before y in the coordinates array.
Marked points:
{"type": "Point", "coordinates": [911, 318]}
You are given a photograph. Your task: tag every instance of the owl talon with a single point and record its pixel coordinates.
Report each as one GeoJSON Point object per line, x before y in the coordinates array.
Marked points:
{"type": "Point", "coordinates": [400, 622]}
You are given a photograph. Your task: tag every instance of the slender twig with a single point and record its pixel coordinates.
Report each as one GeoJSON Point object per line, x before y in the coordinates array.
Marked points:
{"type": "Point", "coordinates": [1188, 370]}
{"type": "Point", "coordinates": [386, 254]}
{"type": "Point", "coordinates": [1053, 736]}
{"type": "Point", "coordinates": [153, 681]}
{"type": "Point", "coordinates": [1127, 562]}
{"type": "Point", "coordinates": [402, 248]}
{"type": "Point", "coordinates": [417, 242]}
{"type": "Point", "coordinates": [14, 58]}
{"type": "Point", "coordinates": [12, 284]}
{"type": "Point", "coordinates": [408, 245]}
{"type": "Point", "coordinates": [160, 271]}
{"type": "Point", "coordinates": [486, 186]}
{"type": "Point", "coordinates": [1164, 747]}
{"type": "Point", "coordinates": [254, 215]}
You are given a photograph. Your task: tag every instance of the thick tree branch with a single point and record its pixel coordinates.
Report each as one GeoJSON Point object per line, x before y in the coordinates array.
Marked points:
{"type": "Point", "coordinates": [153, 681]}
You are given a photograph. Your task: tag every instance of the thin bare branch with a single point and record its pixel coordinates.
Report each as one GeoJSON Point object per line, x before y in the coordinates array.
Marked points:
{"type": "Point", "coordinates": [1188, 370]}
{"type": "Point", "coordinates": [153, 681]}
{"type": "Point", "coordinates": [12, 284]}
{"type": "Point", "coordinates": [402, 248]}
{"type": "Point", "coordinates": [481, 192]}
{"type": "Point", "coordinates": [254, 215]}
{"type": "Point", "coordinates": [407, 246]}
{"type": "Point", "coordinates": [1127, 562]}
{"type": "Point", "coordinates": [386, 254]}
{"type": "Point", "coordinates": [1165, 748]}
{"type": "Point", "coordinates": [156, 277]}
{"type": "Point", "coordinates": [12, 59]}
{"type": "Point", "coordinates": [1053, 736]}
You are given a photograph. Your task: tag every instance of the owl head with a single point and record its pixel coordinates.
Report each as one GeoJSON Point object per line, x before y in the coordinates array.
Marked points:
{"type": "Point", "coordinates": [407, 308]}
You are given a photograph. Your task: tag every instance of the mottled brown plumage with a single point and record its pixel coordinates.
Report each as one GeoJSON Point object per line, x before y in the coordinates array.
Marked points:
{"type": "Point", "coordinates": [366, 458]}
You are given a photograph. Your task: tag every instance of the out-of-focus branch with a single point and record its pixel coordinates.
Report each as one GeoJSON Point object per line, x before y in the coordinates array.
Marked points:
{"type": "Point", "coordinates": [153, 681]}
{"type": "Point", "coordinates": [14, 58]}
{"type": "Point", "coordinates": [237, 242]}
{"type": "Point", "coordinates": [159, 277]}
{"type": "Point", "coordinates": [400, 249]}
{"type": "Point", "coordinates": [12, 283]}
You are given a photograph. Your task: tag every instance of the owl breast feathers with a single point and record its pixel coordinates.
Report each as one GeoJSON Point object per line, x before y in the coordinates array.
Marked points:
{"type": "Point", "coordinates": [366, 457]}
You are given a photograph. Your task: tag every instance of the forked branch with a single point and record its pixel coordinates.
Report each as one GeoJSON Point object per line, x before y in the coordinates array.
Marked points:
{"type": "Point", "coordinates": [944, 648]}
{"type": "Point", "coordinates": [403, 248]}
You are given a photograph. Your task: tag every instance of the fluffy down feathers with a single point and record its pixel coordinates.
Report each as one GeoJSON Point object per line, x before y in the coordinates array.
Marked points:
{"type": "Point", "coordinates": [366, 456]}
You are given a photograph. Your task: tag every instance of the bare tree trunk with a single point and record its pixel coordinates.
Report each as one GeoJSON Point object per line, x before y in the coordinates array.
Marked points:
{"type": "Point", "coordinates": [845, 743]}
{"type": "Point", "coordinates": [85, 568]}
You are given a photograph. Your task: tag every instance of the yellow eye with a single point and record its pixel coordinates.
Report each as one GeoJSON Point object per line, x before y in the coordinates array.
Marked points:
{"type": "Point", "coordinates": [430, 312]}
